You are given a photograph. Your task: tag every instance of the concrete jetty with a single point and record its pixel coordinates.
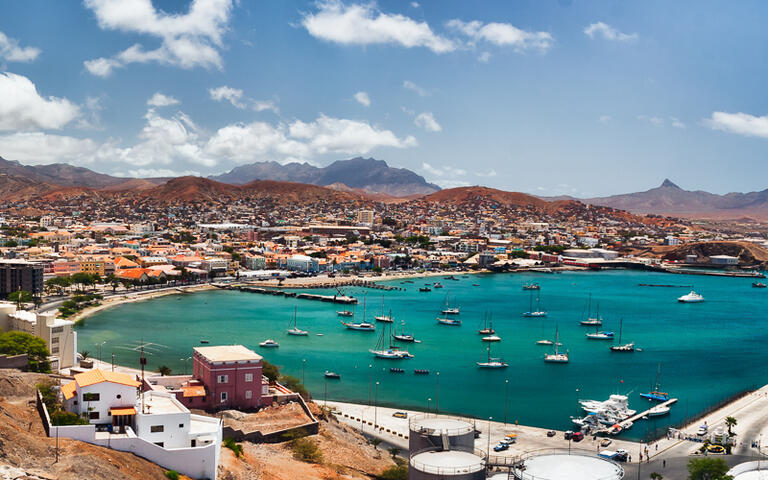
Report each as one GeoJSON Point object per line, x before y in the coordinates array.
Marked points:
{"type": "Point", "coordinates": [629, 421]}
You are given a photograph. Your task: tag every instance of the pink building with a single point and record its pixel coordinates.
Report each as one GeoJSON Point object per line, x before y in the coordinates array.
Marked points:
{"type": "Point", "coordinates": [230, 376]}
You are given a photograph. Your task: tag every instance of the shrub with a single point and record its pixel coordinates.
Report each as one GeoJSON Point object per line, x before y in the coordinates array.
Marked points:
{"type": "Point", "coordinates": [396, 472]}
{"type": "Point", "coordinates": [16, 343]}
{"type": "Point", "coordinates": [306, 451]}
{"type": "Point", "coordinates": [172, 474]}
{"type": "Point", "coordinates": [234, 446]}
{"type": "Point", "coordinates": [61, 417]}
{"type": "Point", "coordinates": [294, 384]}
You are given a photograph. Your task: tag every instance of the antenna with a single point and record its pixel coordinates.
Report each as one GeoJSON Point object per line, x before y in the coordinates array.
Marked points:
{"type": "Point", "coordinates": [142, 362]}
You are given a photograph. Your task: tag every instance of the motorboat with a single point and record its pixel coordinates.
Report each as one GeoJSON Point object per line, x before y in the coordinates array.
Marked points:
{"type": "Point", "coordinates": [345, 313]}
{"type": "Point", "coordinates": [449, 321]}
{"type": "Point", "coordinates": [294, 330]}
{"type": "Point", "coordinates": [492, 338]}
{"type": "Point", "coordinates": [269, 343]}
{"type": "Point", "coordinates": [531, 286]}
{"type": "Point", "coordinates": [545, 342]}
{"type": "Point", "coordinates": [623, 347]}
{"type": "Point", "coordinates": [437, 285]}
{"type": "Point", "coordinates": [692, 297]}
{"type": "Point", "coordinates": [658, 411]}
{"type": "Point", "coordinates": [616, 408]}
{"type": "Point", "coordinates": [600, 336]}
{"type": "Point", "coordinates": [333, 375]}
{"type": "Point", "coordinates": [492, 362]}
{"type": "Point", "coordinates": [758, 285]}
{"type": "Point", "coordinates": [362, 326]}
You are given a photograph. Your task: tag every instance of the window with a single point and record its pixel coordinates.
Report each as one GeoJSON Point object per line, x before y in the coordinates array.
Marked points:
{"type": "Point", "coordinates": [248, 394]}
{"type": "Point", "coordinates": [90, 397]}
{"type": "Point", "coordinates": [54, 350]}
{"type": "Point", "coordinates": [181, 425]}
{"type": "Point", "coordinates": [157, 428]}
{"type": "Point", "coordinates": [55, 340]}
{"type": "Point", "coordinates": [57, 329]}
{"type": "Point", "coordinates": [160, 444]}
{"type": "Point", "coordinates": [248, 377]}
{"type": "Point", "coordinates": [119, 396]}
{"type": "Point", "coordinates": [223, 397]}
{"type": "Point", "coordinates": [223, 378]}
{"type": "Point", "coordinates": [93, 415]}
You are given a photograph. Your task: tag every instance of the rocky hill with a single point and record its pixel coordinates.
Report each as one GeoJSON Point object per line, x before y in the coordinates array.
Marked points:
{"type": "Point", "coordinates": [747, 253]}
{"type": "Point", "coordinates": [367, 174]}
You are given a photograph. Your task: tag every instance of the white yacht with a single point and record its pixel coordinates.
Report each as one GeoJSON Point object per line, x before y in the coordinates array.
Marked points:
{"type": "Point", "coordinates": [535, 313]}
{"type": "Point", "coordinates": [363, 326]}
{"type": "Point", "coordinates": [449, 321]}
{"type": "Point", "coordinates": [384, 348]}
{"type": "Point", "coordinates": [269, 343]}
{"type": "Point", "coordinates": [692, 297]}
{"type": "Point", "coordinates": [492, 362]}
{"type": "Point", "coordinates": [492, 338]}
{"type": "Point", "coordinates": [294, 330]}
{"type": "Point", "coordinates": [556, 357]}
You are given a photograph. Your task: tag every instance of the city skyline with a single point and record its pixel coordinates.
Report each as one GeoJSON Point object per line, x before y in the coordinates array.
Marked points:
{"type": "Point", "coordinates": [567, 93]}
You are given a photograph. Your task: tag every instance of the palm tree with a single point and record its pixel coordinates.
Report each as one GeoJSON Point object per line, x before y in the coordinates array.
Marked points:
{"type": "Point", "coordinates": [164, 370]}
{"type": "Point", "coordinates": [656, 476]}
{"type": "Point", "coordinates": [85, 354]}
{"type": "Point", "coordinates": [730, 422]}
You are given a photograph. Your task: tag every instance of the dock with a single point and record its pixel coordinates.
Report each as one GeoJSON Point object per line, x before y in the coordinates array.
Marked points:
{"type": "Point", "coordinates": [626, 423]}
{"type": "Point", "coordinates": [690, 271]}
{"type": "Point", "coordinates": [343, 299]}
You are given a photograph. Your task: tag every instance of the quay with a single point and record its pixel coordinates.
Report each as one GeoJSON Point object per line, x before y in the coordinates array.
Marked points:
{"type": "Point", "coordinates": [627, 423]}
{"type": "Point", "coordinates": [686, 271]}
{"type": "Point", "coordinates": [343, 299]}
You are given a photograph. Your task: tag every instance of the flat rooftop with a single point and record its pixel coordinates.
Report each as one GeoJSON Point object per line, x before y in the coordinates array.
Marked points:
{"type": "Point", "coordinates": [159, 404]}
{"type": "Point", "coordinates": [571, 467]}
{"type": "Point", "coordinates": [228, 353]}
{"type": "Point", "coordinates": [452, 462]}
{"type": "Point", "coordinates": [439, 425]}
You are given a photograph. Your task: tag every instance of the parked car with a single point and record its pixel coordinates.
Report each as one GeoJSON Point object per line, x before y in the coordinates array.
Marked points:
{"type": "Point", "coordinates": [400, 414]}
{"type": "Point", "coordinates": [716, 449]}
{"type": "Point", "coordinates": [578, 436]}
{"type": "Point", "coordinates": [551, 433]}
{"type": "Point", "coordinates": [501, 447]}
{"type": "Point", "coordinates": [605, 442]}
{"type": "Point", "coordinates": [702, 431]}
{"type": "Point", "coordinates": [568, 434]}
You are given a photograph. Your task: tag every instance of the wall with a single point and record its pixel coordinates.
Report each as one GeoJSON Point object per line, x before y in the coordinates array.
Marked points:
{"type": "Point", "coordinates": [236, 385]}
{"type": "Point", "coordinates": [108, 393]}
{"type": "Point", "coordinates": [310, 428]}
{"type": "Point", "coordinates": [19, 362]}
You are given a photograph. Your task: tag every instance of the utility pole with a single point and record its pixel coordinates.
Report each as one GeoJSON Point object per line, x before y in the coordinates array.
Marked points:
{"type": "Point", "coordinates": [375, 408]}
{"type": "Point", "coordinates": [488, 449]}
{"type": "Point", "coordinates": [506, 399]}
{"type": "Point", "coordinates": [370, 380]}
{"type": "Point", "coordinates": [303, 364]}
{"type": "Point", "coordinates": [437, 400]}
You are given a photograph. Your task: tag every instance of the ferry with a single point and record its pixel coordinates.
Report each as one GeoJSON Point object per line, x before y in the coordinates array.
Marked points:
{"type": "Point", "coordinates": [692, 297]}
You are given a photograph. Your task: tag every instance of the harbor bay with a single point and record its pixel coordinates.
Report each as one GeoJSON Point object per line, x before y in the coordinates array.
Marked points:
{"type": "Point", "coordinates": [707, 351]}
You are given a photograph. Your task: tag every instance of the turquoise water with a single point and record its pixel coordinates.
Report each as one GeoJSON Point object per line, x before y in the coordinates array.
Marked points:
{"type": "Point", "coordinates": [708, 351]}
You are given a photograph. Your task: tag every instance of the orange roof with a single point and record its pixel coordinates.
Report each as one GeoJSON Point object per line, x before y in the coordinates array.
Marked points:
{"type": "Point", "coordinates": [95, 376]}
{"type": "Point", "coordinates": [193, 391]}
{"type": "Point", "coordinates": [122, 411]}
{"type": "Point", "coordinates": [131, 273]}
{"type": "Point", "coordinates": [68, 390]}
{"type": "Point", "coordinates": [122, 262]}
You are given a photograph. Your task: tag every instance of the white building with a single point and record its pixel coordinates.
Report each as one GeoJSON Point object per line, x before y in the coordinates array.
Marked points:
{"type": "Point", "coordinates": [58, 334]}
{"type": "Point", "coordinates": [46, 221]}
{"type": "Point", "coordinates": [724, 260]}
{"type": "Point", "coordinates": [365, 217]}
{"type": "Point", "coordinates": [302, 263]}
{"type": "Point", "coordinates": [153, 425]}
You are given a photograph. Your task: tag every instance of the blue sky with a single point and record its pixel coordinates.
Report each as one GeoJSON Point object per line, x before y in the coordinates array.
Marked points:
{"type": "Point", "coordinates": [546, 97]}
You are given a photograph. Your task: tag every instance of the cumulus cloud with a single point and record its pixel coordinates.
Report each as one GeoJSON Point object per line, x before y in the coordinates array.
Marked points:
{"type": "Point", "coordinates": [338, 135]}
{"type": "Point", "coordinates": [502, 35]}
{"type": "Point", "coordinates": [488, 174]}
{"type": "Point", "coordinates": [739, 123]}
{"type": "Point", "coordinates": [41, 148]}
{"type": "Point", "coordinates": [652, 119]}
{"type": "Point", "coordinates": [365, 24]}
{"type": "Point", "coordinates": [23, 109]}
{"type": "Point", "coordinates": [427, 121]}
{"type": "Point", "coordinates": [160, 100]}
{"type": "Point", "coordinates": [444, 171]}
{"type": "Point", "coordinates": [188, 41]}
{"type": "Point", "coordinates": [409, 85]}
{"type": "Point", "coordinates": [676, 123]}
{"type": "Point", "coordinates": [238, 100]}
{"type": "Point", "coordinates": [363, 99]}
{"type": "Point", "coordinates": [607, 32]}
{"type": "Point", "coordinates": [12, 52]}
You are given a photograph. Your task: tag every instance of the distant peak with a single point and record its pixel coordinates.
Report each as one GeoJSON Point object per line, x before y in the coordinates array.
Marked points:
{"type": "Point", "coordinates": [669, 183]}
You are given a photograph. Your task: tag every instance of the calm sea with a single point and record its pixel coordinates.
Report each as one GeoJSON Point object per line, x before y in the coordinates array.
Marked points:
{"type": "Point", "coordinates": [707, 352]}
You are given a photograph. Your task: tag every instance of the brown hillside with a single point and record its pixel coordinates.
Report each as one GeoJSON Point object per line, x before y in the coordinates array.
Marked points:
{"type": "Point", "coordinates": [472, 194]}
{"type": "Point", "coordinates": [748, 253]}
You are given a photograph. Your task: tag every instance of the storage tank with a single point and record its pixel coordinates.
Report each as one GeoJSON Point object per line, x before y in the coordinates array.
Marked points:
{"type": "Point", "coordinates": [444, 448]}
{"type": "Point", "coordinates": [555, 464]}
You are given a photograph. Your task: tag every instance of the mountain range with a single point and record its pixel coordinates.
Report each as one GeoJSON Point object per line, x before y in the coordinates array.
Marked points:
{"type": "Point", "coordinates": [366, 174]}
{"type": "Point", "coordinates": [670, 199]}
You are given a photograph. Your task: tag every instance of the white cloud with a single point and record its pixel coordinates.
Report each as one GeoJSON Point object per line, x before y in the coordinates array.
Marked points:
{"type": "Point", "coordinates": [502, 35]}
{"type": "Point", "coordinates": [607, 32]}
{"type": "Point", "coordinates": [36, 148]}
{"type": "Point", "coordinates": [444, 171]}
{"type": "Point", "coordinates": [232, 95]}
{"type": "Point", "coordinates": [488, 174]}
{"type": "Point", "coordinates": [155, 172]}
{"type": "Point", "coordinates": [409, 85]}
{"type": "Point", "coordinates": [739, 123]}
{"type": "Point", "coordinates": [451, 183]}
{"type": "Point", "coordinates": [415, 5]}
{"type": "Point", "coordinates": [90, 117]}
{"type": "Point", "coordinates": [12, 52]}
{"type": "Point", "coordinates": [676, 123]}
{"type": "Point", "coordinates": [484, 57]}
{"type": "Point", "coordinates": [363, 99]}
{"type": "Point", "coordinates": [188, 40]}
{"type": "Point", "coordinates": [337, 135]}
{"type": "Point", "coordinates": [160, 100]}
{"type": "Point", "coordinates": [605, 119]}
{"type": "Point", "coordinates": [652, 119]}
{"type": "Point", "coordinates": [365, 24]}
{"type": "Point", "coordinates": [262, 105]}
{"type": "Point", "coordinates": [22, 108]}
{"type": "Point", "coordinates": [427, 121]}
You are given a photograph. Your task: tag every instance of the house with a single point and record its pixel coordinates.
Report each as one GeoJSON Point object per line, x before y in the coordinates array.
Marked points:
{"type": "Point", "coordinates": [231, 375]}
{"type": "Point", "coordinates": [153, 425]}
{"type": "Point", "coordinates": [58, 334]}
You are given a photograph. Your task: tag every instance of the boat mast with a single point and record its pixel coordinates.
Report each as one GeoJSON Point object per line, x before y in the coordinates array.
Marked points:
{"type": "Point", "coordinates": [621, 326]}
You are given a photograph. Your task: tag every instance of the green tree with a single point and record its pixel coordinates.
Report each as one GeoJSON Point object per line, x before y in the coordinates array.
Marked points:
{"type": "Point", "coordinates": [164, 370]}
{"type": "Point", "coordinates": [17, 343]}
{"type": "Point", "coordinates": [395, 472]}
{"type": "Point", "coordinates": [730, 422]}
{"type": "Point", "coordinates": [394, 451]}
{"type": "Point", "coordinates": [656, 476]}
{"type": "Point", "coordinates": [294, 384]}
{"type": "Point", "coordinates": [82, 279]}
{"type": "Point", "coordinates": [708, 468]}
{"type": "Point", "coordinates": [11, 243]}
{"type": "Point", "coordinates": [270, 371]}
{"type": "Point", "coordinates": [19, 297]}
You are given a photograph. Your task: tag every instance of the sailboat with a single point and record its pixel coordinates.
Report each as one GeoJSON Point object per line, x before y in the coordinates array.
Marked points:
{"type": "Point", "coordinates": [556, 357]}
{"type": "Point", "coordinates": [598, 335]}
{"type": "Point", "coordinates": [592, 321]}
{"type": "Point", "coordinates": [535, 313]}
{"type": "Point", "coordinates": [627, 347]}
{"type": "Point", "coordinates": [655, 394]}
{"type": "Point", "coordinates": [384, 348]}
{"type": "Point", "coordinates": [448, 310]}
{"type": "Point", "coordinates": [492, 362]}
{"type": "Point", "coordinates": [404, 337]}
{"type": "Point", "coordinates": [295, 330]}
{"type": "Point", "coordinates": [449, 321]}
{"type": "Point", "coordinates": [487, 325]}
{"type": "Point", "coordinates": [363, 326]}
{"type": "Point", "coordinates": [382, 317]}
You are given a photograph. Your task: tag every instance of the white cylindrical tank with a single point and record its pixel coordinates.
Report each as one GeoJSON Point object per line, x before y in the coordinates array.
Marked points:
{"type": "Point", "coordinates": [567, 465]}
{"type": "Point", "coordinates": [432, 431]}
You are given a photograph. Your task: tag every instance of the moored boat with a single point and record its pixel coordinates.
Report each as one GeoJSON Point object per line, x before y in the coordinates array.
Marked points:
{"type": "Point", "coordinates": [294, 330]}
{"type": "Point", "coordinates": [492, 338]}
{"type": "Point", "coordinates": [492, 362]}
{"type": "Point", "coordinates": [362, 326]}
{"type": "Point", "coordinates": [531, 286]}
{"type": "Point", "coordinates": [345, 313]}
{"type": "Point", "coordinates": [269, 343]}
{"type": "Point", "coordinates": [692, 297]}
{"type": "Point", "coordinates": [557, 356]}
{"type": "Point", "coordinates": [333, 375]}
{"type": "Point", "coordinates": [622, 347]}
{"type": "Point", "coordinates": [449, 321]}
{"type": "Point", "coordinates": [487, 325]}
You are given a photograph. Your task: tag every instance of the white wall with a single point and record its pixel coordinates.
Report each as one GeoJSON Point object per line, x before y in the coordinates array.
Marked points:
{"type": "Point", "coordinates": [108, 393]}
{"type": "Point", "coordinates": [172, 435]}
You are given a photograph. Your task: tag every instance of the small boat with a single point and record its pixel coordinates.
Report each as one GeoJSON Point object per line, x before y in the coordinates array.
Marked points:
{"type": "Point", "coordinates": [362, 326]}
{"type": "Point", "coordinates": [396, 370]}
{"type": "Point", "coordinates": [392, 352]}
{"type": "Point", "coordinates": [384, 318]}
{"type": "Point", "coordinates": [655, 394]}
{"type": "Point", "coordinates": [557, 357]}
{"type": "Point", "coordinates": [404, 337]}
{"type": "Point", "coordinates": [591, 321]}
{"type": "Point", "coordinates": [425, 289]}
{"type": "Point", "coordinates": [531, 286]}
{"type": "Point", "coordinates": [420, 371]}
{"type": "Point", "coordinates": [658, 411]}
{"type": "Point", "coordinates": [269, 343]}
{"type": "Point", "coordinates": [492, 338]}
{"type": "Point", "coordinates": [535, 313]}
{"type": "Point", "coordinates": [451, 311]}
{"type": "Point", "coordinates": [319, 334]}
{"type": "Point", "coordinates": [437, 285]}
{"type": "Point", "coordinates": [626, 347]}
{"type": "Point", "coordinates": [487, 325]}
{"type": "Point", "coordinates": [449, 321]}
{"type": "Point", "coordinates": [475, 284]}
{"type": "Point", "coordinates": [692, 297]}
{"type": "Point", "coordinates": [600, 336]}
{"type": "Point", "coordinates": [408, 281]}
{"type": "Point", "coordinates": [492, 362]}
{"type": "Point", "coordinates": [545, 342]}
{"type": "Point", "coordinates": [758, 285]}
{"type": "Point", "coordinates": [333, 375]}
{"type": "Point", "coordinates": [205, 341]}
{"type": "Point", "coordinates": [294, 330]}
{"type": "Point", "coordinates": [345, 313]}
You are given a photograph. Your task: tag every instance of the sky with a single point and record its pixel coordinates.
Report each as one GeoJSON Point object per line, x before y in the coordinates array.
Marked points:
{"type": "Point", "coordinates": [568, 97]}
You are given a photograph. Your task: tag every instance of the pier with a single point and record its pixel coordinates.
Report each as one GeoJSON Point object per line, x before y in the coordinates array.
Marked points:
{"type": "Point", "coordinates": [343, 299]}
{"type": "Point", "coordinates": [685, 271]}
{"type": "Point", "coordinates": [626, 423]}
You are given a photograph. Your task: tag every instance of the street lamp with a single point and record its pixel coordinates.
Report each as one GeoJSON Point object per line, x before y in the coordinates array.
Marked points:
{"type": "Point", "coordinates": [185, 363]}
{"type": "Point", "coordinates": [102, 343]}
{"type": "Point", "coordinates": [506, 399]}
{"type": "Point", "coordinates": [303, 364]}
{"type": "Point", "coordinates": [325, 391]}
{"type": "Point", "coordinates": [375, 408]}
{"type": "Point", "coordinates": [437, 400]}
{"type": "Point", "coordinates": [370, 381]}
{"type": "Point", "coordinates": [428, 400]}
{"type": "Point", "coordinates": [488, 449]}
